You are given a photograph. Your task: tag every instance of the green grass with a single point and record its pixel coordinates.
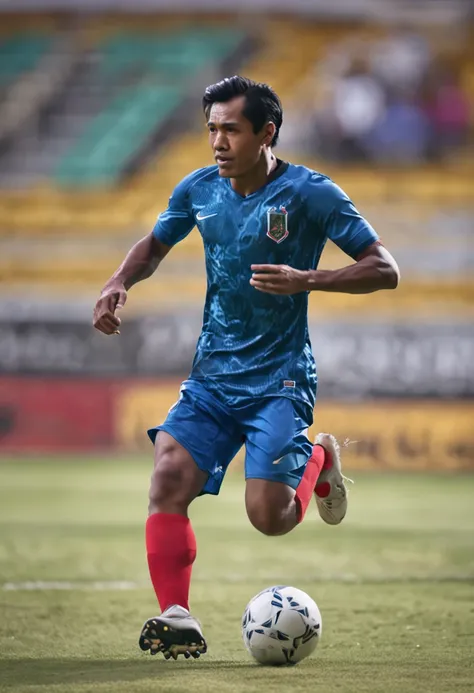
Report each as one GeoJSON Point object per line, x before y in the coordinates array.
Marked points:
{"type": "Point", "coordinates": [395, 585]}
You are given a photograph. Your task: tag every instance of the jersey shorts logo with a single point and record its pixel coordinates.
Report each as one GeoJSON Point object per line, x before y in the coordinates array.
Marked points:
{"type": "Point", "coordinates": [277, 224]}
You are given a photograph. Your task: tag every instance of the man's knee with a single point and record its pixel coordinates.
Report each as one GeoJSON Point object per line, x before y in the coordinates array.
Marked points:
{"type": "Point", "coordinates": [267, 520]}
{"type": "Point", "coordinates": [168, 481]}
{"type": "Point", "coordinates": [269, 506]}
{"type": "Point", "coordinates": [176, 480]}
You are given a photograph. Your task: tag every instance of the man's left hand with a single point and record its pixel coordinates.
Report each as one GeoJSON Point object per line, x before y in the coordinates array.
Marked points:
{"type": "Point", "coordinates": [280, 280]}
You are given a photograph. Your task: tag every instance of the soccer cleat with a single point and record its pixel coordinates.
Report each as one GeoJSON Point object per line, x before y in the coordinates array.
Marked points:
{"type": "Point", "coordinates": [174, 632]}
{"type": "Point", "coordinates": [330, 491]}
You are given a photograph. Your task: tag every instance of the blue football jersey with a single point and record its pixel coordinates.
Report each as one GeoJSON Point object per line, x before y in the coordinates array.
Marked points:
{"type": "Point", "coordinates": [253, 344]}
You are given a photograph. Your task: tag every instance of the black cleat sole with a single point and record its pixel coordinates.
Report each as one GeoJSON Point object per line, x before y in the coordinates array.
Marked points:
{"type": "Point", "coordinates": [157, 636]}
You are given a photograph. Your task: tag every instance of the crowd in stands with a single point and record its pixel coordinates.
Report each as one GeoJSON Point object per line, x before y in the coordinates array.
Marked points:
{"type": "Point", "coordinates": [387, 100]}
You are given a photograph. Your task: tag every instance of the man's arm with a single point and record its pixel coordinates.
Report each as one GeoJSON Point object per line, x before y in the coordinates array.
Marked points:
{"type": "Point", "coordinates": [140, 263]}
{"type": "Point", "coordinates": [174, 224]}
{"type": "Point", "coordinates": [334, 214]}
{"type": "Point", "coordinates": [374, 269]}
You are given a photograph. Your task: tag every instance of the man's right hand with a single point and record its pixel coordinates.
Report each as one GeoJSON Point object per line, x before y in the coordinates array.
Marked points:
{"type": "Point", "coordinates": [111, 299]}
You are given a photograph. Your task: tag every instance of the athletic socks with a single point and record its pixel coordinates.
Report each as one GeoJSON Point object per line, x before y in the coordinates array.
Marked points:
{"type": "Point", "coordinates": [304, 492]}
{"type": "Point", "coordinates": [171, 544]}
{"type": "Point", "coordinates": [171, 550]}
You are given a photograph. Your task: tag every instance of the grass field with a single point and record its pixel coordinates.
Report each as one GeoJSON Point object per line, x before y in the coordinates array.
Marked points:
{"type": "Point", "coordinates": [395, 585]}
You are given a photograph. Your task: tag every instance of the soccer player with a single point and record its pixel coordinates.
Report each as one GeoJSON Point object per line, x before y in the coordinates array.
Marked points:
{"type": "Point", "coordinates": [264, 223]}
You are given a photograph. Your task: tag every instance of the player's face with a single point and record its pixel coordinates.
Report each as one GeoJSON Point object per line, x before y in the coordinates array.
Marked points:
{"type": "Point", "coordinates": [236, 148]}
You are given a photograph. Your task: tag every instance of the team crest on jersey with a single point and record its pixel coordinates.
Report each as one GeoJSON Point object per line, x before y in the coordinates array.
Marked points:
{"type": "Point", "coordinates": [277, 224]}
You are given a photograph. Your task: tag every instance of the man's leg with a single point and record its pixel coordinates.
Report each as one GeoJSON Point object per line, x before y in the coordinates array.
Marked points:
{"type": "Point", "coordinates": [171, 549]}
{"type": "Point", "coordinates": [274, 507]}
{"type": "Point", "coordinates": [170, 540]}
{"type": "Point", "coordinates": [193, 448]}
{"type": "Point", "coordinates": [270, 506]}
{"type": "Point", "coordinates": [284, 470]}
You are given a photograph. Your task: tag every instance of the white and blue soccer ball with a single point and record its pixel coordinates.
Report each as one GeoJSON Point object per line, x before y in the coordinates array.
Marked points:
{"type": "Point", "coordinates": [281, 625]}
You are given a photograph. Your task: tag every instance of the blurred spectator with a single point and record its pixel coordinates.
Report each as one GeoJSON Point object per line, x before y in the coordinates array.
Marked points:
{"type": "Point", "coordinates": [448, 110]}
{"type": "Point", "coordinates": [359, 104]}
{"type": "Point", "coordinates": [402, 135]}
{"type": "Point", "coordinates": [385, 100]}
{"type": "Point", "coordinates": [401, 60]}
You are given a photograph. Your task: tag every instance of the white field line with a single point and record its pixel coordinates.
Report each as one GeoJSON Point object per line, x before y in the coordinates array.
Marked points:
{"type": "Point", "coordinates": [69, 586]}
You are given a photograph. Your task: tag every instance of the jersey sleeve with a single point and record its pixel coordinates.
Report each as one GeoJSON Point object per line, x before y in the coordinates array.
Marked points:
{"type": "Point", "coordinates": [177, 221]}
{"type": "Point", "coordinates": [339, 219]}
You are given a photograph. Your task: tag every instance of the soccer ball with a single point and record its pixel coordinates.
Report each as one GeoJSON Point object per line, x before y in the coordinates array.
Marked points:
{"type": "Point", "coordinates": [281, 625]}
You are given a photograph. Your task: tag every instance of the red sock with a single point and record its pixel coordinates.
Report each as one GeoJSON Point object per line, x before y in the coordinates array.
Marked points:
{"type": "Point", "coordinates": [319, 458]}
{"type": "Point", "coordinates": [171, 550]}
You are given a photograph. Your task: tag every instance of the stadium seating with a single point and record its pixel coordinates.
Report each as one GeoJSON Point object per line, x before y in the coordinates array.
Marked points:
{"type": "Point", "coordinates": [19, 53]}
{"type": "Point", "coordinates": [164, 51]}
{"type": "Point", "coordinates": [171, 57]}
{"type": "Point", "coordinates": [112, 138]}
{"type": "Point", "coordinates": [145, 67]}
{"type": "Point", "coordinates": [163, 66]}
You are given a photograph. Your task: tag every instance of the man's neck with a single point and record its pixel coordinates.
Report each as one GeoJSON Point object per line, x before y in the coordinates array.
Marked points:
{"type": "Point", "coordinates": [257, 177]}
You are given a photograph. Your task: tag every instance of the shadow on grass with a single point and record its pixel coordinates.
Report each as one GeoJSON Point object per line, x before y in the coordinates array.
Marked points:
{"type": "Point", "coordinates": [31, 671]}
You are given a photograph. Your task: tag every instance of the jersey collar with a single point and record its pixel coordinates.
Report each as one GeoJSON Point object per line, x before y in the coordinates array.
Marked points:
{"type": "Point", "coordinates": [282, 167]}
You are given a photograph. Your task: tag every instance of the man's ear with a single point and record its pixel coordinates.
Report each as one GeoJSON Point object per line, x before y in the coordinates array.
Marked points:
{"type": "Point", "coordinates": [268, 134]}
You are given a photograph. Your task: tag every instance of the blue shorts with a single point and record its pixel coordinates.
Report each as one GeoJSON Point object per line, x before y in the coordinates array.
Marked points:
{"type": "Point", "coordinates": [273, 429]}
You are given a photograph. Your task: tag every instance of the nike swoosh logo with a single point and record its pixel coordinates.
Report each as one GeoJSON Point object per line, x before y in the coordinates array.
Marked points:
{"type": "Point", "coordinates": [200, 217]}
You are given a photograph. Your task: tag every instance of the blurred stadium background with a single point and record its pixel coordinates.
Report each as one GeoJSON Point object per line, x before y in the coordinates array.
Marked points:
{"type": "Point", "coordinates": [99, 119]}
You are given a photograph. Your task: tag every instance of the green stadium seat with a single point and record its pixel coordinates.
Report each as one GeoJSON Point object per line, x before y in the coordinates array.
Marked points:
{"type": "Point", "coordinates": [118, 132]}
{"type": "Point", "coordinates": [20, 53]}
{"type": "Point", "coordinates": [181, 52]}
{"type": "Point", "coordinates": [111, 139]}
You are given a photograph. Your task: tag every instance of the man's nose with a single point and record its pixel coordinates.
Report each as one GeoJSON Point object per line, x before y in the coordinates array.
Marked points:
{"type": "Point", "coordinates": [221, 141]}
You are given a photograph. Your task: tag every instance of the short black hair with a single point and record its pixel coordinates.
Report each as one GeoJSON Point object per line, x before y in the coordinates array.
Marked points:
{"type": "Point", "coordinates": [262, 104]}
